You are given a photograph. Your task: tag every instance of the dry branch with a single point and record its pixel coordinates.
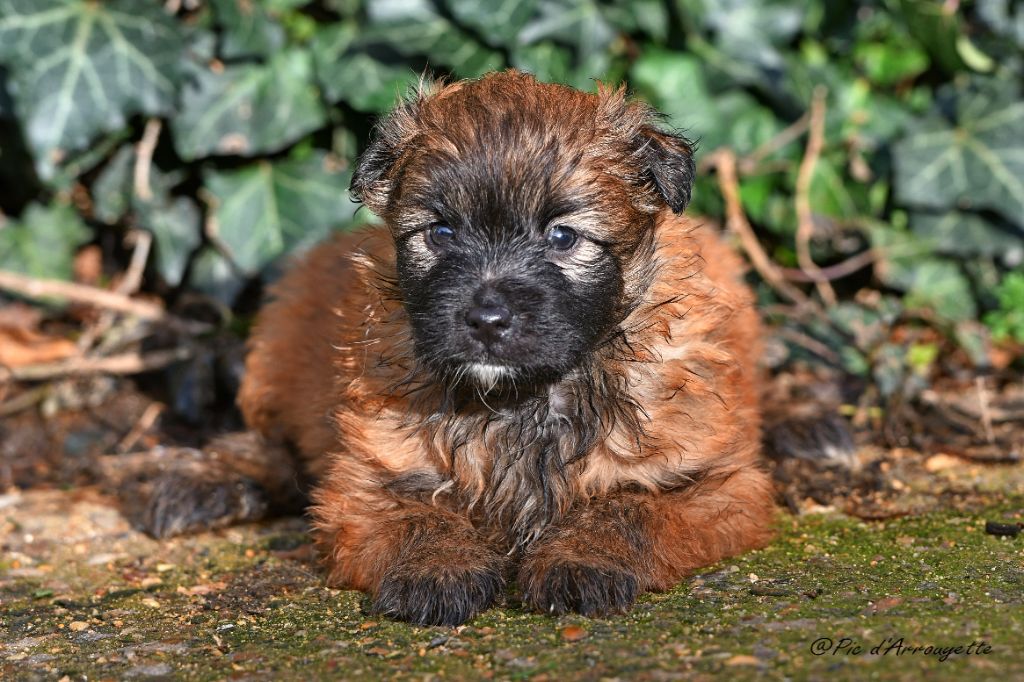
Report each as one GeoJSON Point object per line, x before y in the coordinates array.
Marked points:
{"type": "Point", "coordinates": [736, 221]}
{"type": "Point", "coordinates": [32, 287]}
{"type": "Point", "coordinates": [802, 199]}
{"type": "Point", "coordinates": [127, 363]}
{"type": "Point", "coordinates": [144, 159]}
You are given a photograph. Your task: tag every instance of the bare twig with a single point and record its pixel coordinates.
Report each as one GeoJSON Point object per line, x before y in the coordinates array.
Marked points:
{"type": "Point", "coordinates": [33, 287]}
{"type": "Point", "coordinates": [811, 344]}
{"type": "Point", "coordinates": [752, 162]}
{"type": "Point", "coordinates": [144, 159]}
{"type": "Point", "coordinates": [788, 135]}
{"type": "Point", "coordinates": [837, 271]}
{"type": "Point", "coordinates": [736, 221]}
{"type": "Point", "coordinates": [132, 280]}
{"type": "Point", "coordinates": [127, 363]}
{"type": "Point", "coordinates": [983, 404]}
{"type": "Point", "coordinates": [128, 285]}
{"type": "Point", "coordinates": [145, 422]}
{"type": "Point", "coordinates": [802, 200]}
{"type": "Point", "coordinates": [23, 400]}
{"type": "Point", "coordinates": [79, 293]}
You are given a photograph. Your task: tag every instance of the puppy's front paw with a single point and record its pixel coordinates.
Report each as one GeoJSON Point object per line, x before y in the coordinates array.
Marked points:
{"type": "Point", "coordinates": [183, 503]}
{"type": "Point", "coordinates": [574, 586]}
{"type": "Point", "coordinates": [438, 594]}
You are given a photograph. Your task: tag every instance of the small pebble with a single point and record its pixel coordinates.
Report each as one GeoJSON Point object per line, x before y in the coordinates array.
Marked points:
{"type": "Point", "coordinates": [78, 626]}
{"type": "Point", "coordinates": [1002, 529]}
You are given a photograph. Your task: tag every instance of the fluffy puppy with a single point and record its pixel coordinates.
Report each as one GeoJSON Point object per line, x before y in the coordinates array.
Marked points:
{"type": "Point", "coordinates": [534, 369]}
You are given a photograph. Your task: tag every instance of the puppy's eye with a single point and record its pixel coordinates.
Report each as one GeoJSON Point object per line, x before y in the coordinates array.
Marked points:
{"type": "Point", "coordinates": [440, 235]}
{"type": "Point", "coordinates": [561, 238]}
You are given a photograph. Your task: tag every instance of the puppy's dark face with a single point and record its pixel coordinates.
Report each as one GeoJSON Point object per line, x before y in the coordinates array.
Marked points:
{"type": "Point", "coordinates": [523, 217]}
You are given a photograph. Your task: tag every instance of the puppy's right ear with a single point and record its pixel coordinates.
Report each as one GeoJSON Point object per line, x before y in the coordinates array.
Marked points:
{"type": "Point", "coordinates": [372, 181]}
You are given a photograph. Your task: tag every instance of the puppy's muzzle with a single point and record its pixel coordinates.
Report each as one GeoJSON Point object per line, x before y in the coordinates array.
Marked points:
{"type": "Point", "coordinates": [489, 324]}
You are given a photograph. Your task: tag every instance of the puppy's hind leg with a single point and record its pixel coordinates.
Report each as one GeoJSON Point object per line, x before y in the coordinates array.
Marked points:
{"type": "Point", "coordinates": [238, 477]}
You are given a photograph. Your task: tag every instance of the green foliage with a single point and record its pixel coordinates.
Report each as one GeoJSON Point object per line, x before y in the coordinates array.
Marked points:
{"type": "Point", "coordinates": [261, 102]}
{"type": "Point", "coordinates": [83, 68]}
{"type": "Point", "coordinates": [1007, 321]}
{"type": "Point", "coordinates": [28, 245]}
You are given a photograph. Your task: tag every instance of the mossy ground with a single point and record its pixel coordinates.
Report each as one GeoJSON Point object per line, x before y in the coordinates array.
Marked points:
{"type": "Point", "coordinates": [83, 596]}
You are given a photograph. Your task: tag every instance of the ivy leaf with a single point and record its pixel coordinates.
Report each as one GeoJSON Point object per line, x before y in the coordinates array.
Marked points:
{"type": "Point", "coordinates": [248, 29]}
{"type": "Point", "coordinates": [111, 193]}
{"type": "Point", "coordinates": [751, 31]}
{"type": "Point", "coordinates": [975, 161]}
{"type": "Point", "coordinates": [175, 222]}
{"type": "Point", "coordinates": [929, 281]}
{"type": "Point", "coordinates": [345, 71]}
{"type": "Point", "coordinates": [413, 28]}
{"type": "Point", "coordinates": [547, 61]}
{"type": "Point", "coordinates": [675, 84]}
{"type": "Point", "coordinates": [576, 22]}
{"type": "Point", "coordinates": [249, 109]}
{"type": "Point", "coordinates": [499, 22]}
{"type": "Point", "coordinates": [940, 285]}
{"type": "Point", "coordinates": [43, 242]}
{"type": "Point", "coordinates": [80, 68]}
{"type": "Point", "coordinates": [888, 63]}
{"type": "Point", "coordinates": [1004, 17]}
{"type": "Point", "coordinates": [6, 106]}
{"type": "Point", "coordinates": [646, 16]}
{"type": "Point", "coordinates": [964, 234]}
{"type": "Point", "coordinates": [214, 275]}
{"type": "Point", "coordinates": [270, 208]}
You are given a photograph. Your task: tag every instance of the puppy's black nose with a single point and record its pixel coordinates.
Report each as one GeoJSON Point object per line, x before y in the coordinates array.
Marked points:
{"type": "Point", "coordinates": [488, 323]}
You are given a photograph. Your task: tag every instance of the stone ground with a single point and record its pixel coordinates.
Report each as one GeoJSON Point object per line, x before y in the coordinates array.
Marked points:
{"type": "Point", "coordinates": [84, 596]}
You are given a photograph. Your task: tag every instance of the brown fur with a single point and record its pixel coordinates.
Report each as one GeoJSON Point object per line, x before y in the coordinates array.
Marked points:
{"type": "Point", "coordinates": [415, 498]}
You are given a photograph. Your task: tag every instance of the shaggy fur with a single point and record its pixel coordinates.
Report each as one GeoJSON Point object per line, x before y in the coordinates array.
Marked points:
{"type": "Point", "coordinates": [604, 445]}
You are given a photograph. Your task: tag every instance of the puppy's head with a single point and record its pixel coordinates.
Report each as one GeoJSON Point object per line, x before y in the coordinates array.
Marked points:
{"type": "Point", "coordinates": [523, 215]}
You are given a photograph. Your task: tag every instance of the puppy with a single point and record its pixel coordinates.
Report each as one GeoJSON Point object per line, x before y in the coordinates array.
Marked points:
{"type": "Point", "coordinates": [535, 369]}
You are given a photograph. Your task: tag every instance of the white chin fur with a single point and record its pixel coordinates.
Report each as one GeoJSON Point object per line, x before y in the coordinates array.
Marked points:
{"type": "Point", "coordinates": [489, 375]}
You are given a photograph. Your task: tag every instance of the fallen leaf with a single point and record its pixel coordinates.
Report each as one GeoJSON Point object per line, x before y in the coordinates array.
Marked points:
{"type": "Point", "coordinates": [941, 462]}
{"type": "Point", "coordinates": [887, 603]}
{"type": "Point", "coordinates": [88, 265]}
{"type": "Point", "coordinates": [205, 588]}
{"type": "Point", "coordinates": [573, 633]}
{"type": "Point", "coordinates": [20, 347]}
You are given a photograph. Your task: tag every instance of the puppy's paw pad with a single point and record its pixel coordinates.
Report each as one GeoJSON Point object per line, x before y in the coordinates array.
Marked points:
{"type": "Point", "coordinates": [442, 598]}
{"type": "Point", "coordinates": [181, 503]}
{"type": "Point", "coordinates": [581, 588]}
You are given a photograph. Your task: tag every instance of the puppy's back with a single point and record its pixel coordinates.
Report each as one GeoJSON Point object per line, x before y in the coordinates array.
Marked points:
{"type": "Point", "coordinates": [304, 346]}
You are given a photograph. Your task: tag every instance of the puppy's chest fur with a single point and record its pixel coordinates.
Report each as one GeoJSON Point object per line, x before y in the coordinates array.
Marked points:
{"type": "Point", "coordinates": [517, 465]}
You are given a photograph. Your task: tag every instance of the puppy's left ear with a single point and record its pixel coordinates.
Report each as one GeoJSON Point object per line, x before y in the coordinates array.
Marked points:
{"type": "Point", "coordinates": [668, 160]}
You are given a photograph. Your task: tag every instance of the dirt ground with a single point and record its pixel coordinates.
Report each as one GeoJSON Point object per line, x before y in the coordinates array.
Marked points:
{"type": "Point", "coordinates": [84, 596]}
{"type": "Point", "coordinates": [881, 570]}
